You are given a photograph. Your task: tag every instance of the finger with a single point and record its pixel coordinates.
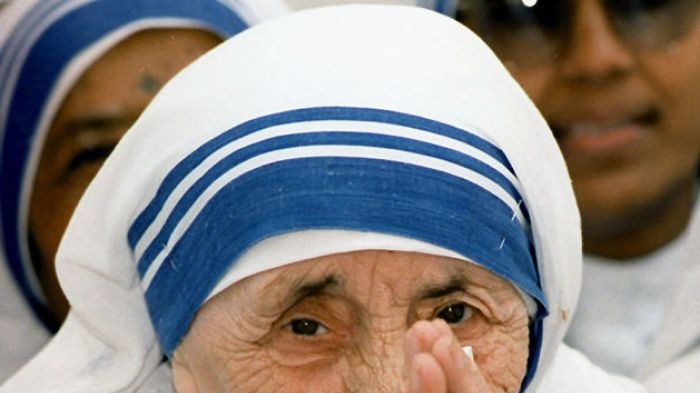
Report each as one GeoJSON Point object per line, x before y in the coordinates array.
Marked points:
{"type": "Point", "coordinates": [427, 375]}
{"type": "Point", "coordinates": [422, 335]}
{"type": "Point", "coordinates": [461, 373]}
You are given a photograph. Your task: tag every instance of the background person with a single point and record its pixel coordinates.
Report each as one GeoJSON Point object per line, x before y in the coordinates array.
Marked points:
{"type": "Point", "coordinates": [619, 83]}
{"type": "Point", "coordinates": [74, 75]}
{"type": "Point", "coordinates": [321, 196]}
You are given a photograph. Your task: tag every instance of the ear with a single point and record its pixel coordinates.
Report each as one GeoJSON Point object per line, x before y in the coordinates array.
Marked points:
{"type": "Point", "coordinates": [183, 379]}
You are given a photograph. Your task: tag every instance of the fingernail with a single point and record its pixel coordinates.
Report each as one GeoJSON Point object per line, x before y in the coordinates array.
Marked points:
{"type": "Point", "coordinates": [469, 352]}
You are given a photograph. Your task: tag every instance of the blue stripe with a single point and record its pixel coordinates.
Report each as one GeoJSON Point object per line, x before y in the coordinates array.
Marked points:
{"type": "Point", "coordinates": [335, 193]}
{"type": "Point", "coordinates": [536, 336]}
{"type": "Point", "coordinates": [48, 57]}
{"type": "Point", "coordinates": [17, 40]}
{"type": "Point", "coordinates": [440, 6]}
{"type": "Point", "coordinates": [311, 139]}
{"type": "Point", "coordinates": [445, 7]}
{"type": "Point", "coordinates": [173, 179]}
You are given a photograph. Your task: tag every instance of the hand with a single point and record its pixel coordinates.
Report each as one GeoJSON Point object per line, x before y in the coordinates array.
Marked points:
{"type": "Point", "coordinates": [436, 363]}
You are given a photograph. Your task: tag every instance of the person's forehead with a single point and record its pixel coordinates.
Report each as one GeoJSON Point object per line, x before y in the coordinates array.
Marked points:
{"type": "Point", "coordinates": [358, 270]}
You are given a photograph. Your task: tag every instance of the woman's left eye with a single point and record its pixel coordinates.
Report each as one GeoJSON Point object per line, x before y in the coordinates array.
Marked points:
{"type": "Point", "coordinates": [306, 327]}
{"type": "Point", "coordinates": [455, 313]}
{"type": "Point", "coordinates": [90, 155]}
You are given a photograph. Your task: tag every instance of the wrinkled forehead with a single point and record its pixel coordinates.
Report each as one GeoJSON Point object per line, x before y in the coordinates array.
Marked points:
{"type": "Point", "coordinates": [412, 266]}
{"type": "Point", "coordinates": [369, 278]}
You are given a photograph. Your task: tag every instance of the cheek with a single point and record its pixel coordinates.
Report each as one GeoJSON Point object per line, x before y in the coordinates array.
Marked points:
{"type": "Point", "coordinates": [228, 353]}
{"type": "Point", "coordinates": [258, 370]}
{"type": "Point", "coordinates": [534, 80]}
{"type": "Point", "coordinates": [498, 333]}
{"type": "Point", "coordinates": [501, 351]}
{"type": "Point", "coordinates": [52, 204]}
{"type": "Point", "coordinates": [675, 78]}
{"type": "Point", "coordinates": [678, 80]}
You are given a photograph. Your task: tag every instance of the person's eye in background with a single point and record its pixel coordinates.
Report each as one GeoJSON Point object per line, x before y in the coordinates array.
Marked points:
{"type": "Point", "coordinates": [87, 144]}
{"type": "Point", "coordinates": [513, 28]}
{"type": "Point", "coordinates": [651, 23]}
{"type": "Point", "coordinates": [529, 32]}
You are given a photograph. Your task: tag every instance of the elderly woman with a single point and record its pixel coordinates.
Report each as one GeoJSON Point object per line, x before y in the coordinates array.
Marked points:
{"type": "Point", "coordinates": [293, 214]}
{"type": "Point", "coordinates": [74, 75]}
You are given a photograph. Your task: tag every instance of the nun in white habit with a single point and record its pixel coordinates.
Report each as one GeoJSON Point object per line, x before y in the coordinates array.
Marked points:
{"type": "Point", "coordinates": [53, 138]}
{"type": "Point", "coordinates": [338, 200]}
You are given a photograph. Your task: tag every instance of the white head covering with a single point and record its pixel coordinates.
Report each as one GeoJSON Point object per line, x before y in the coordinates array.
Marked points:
{"type": "Point", "coordinates": [382, 127]}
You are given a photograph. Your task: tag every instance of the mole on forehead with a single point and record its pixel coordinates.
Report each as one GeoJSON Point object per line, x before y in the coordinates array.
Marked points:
{"type": "Point", "coordinates": [149, 84]}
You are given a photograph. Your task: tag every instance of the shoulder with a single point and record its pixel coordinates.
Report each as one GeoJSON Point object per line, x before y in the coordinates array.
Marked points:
{"type": "Point", "coordinates": [572, 372]}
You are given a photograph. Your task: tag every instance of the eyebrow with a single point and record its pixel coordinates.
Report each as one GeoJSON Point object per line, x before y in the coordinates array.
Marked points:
{"type": "Point", "coordinates": [454, 284]}
{"type": "Point", "coordinates": [99, 121]}
{"type": "Point", "coordinates": [314, 288]}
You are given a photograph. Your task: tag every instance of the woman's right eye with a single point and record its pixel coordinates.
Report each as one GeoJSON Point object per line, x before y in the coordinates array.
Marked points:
{"type": "Point", "coordinates": [455, 313]}
{"type": "Point", "coordinates": [306, 327]}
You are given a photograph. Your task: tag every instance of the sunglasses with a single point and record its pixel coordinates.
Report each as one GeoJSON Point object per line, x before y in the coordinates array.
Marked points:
{"type": "Point", "coordinates": [527, 31]}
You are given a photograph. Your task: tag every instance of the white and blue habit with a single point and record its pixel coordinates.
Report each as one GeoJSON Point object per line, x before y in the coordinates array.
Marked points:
{"type": "Point", "coordinates": [325, 131]}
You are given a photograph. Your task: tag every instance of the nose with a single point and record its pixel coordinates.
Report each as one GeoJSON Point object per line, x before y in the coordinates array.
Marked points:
{"type": "Point", "coordinates": [595, 52]}
{"type": "Point", "coordinates": [380, 366]}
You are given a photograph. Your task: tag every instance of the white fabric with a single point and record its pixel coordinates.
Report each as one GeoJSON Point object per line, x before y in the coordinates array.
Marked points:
{"type": "Point", "coordinates": [395, 58]}
{"type": "Point", "coordinates": [674, 358]}
{"type": "Point", "coordinates": [642, 306]}
{"type": "Point", "coordinates": [622, 306]}
{"type": "Point", "coordinates": [21, 334]}
{"type": "Point", "coordinates": [573, 372]}
{"type": "Point", "coordinates": [681, 375]}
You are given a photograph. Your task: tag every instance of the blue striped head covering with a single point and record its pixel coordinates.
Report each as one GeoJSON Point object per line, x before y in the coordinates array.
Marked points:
{"type": "Point", "coordinates": [406, 134]}
{"type": "Point", "coordinates": [445, 7]}
{"type": "Point", "coordinates": [44, 48]}
{"type": "Point", "coordinates": [352, 168]}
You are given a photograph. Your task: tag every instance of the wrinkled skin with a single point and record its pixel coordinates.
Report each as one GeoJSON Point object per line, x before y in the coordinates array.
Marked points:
{"type": "Point", "coordinates": [634, 159]}
{"type": "Point", "coordinates": [98, 110]}
{"type": "Point", "coordinates": [358, 322]}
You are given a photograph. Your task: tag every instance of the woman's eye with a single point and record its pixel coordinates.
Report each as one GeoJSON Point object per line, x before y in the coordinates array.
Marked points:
{"type": "Point", "coordinates": [306, 327]}
{"type": "Point", "coordinates": [455, 313]}
{"type": "Point", "coordinates": [95, 154]}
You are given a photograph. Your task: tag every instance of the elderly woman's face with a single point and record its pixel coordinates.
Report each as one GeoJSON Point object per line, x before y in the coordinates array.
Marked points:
{"type": "Point", "coordinates": [355, 322]}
